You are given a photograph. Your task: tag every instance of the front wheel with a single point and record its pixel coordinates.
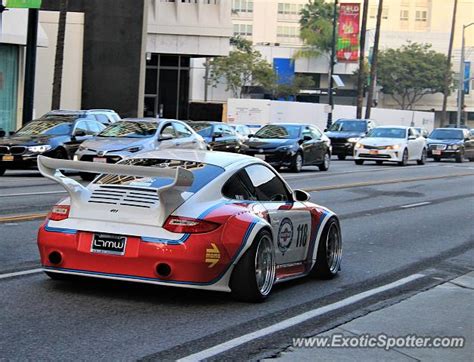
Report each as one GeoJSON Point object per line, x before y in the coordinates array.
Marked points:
{"type": "Point", "coordinates": [404, 160]}
{"type": "Point", "coordinates": [297, 163]}
{"type": "Point", "coordinates": [61, 154]}
{"type": "Point", "coordinates": [359, 162]}
{"type": "Point", "coordinates": [437, 159]}
{"type": "Point", "coordinates": [326, 163]}
{"type": "Point", "coordinates": [328, 260]}
{"type": "Point", "coordinates": [422, 160]}
{"type": "Point", "coordinates": [253, 277]}
{"type": "Point", "coordinates": [460, 157]}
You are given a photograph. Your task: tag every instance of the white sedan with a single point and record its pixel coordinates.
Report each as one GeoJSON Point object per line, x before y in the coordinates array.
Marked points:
{"type": "Point", "coordinates": [393, 144]}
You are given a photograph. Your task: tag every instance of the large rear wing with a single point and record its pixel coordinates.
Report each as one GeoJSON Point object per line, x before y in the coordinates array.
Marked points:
{"type": "Point", "coordinates": [170, 195]}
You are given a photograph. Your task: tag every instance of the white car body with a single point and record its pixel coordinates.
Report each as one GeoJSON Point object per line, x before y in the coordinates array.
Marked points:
{"type": "Point", "coordinates": [391, 149]}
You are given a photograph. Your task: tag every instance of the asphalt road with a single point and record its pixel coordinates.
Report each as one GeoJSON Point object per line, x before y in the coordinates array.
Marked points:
{"type": "Point", "coordinates": [396, 221]}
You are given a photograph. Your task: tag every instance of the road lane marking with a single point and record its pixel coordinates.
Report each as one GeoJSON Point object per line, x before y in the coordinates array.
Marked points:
{"type": "Point", "coordinates": [415, 205]}
{"type": "Point", "coordinates": [34, 193]}
{"type": "Point", "coordinates": [28, 217]}
{"type": "Point", "coordinates": [291, 322]}
{"type": "Point", "coordinates": [20, 273]}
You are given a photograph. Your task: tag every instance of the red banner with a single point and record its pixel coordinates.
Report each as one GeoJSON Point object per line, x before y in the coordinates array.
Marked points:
{"type": "Point", "coordinates": [347, 47]}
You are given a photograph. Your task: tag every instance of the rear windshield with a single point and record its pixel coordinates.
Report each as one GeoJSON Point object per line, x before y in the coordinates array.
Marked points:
{"type": "Point", "coordinates": [203, 174]}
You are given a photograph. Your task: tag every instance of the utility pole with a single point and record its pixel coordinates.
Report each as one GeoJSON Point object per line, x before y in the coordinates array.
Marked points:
{"type": "Point", "coordinates": [30, 65]}
{"type": "Point", "coordinates": [362, 70]}
{"type": "Point", "coordinates": [373, 69]}
{"type": "Point", "coordinates": [461, 77]}
{"type": "Point", "coordinates": [331, 66]}
{"type": "Point", "coordinates": [448, 67]}
{"type": "Point", "coordinates": [59, 57]}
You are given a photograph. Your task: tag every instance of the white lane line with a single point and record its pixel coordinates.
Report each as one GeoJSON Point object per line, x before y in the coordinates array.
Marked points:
{"type": "Point", "coordinates": [35, 193]}
{"type": "Point", "coordinates": [20, 273]}
{"type": "Point", "coordinates": [415, 205]}
{"type": "Point", "coordinates": [223, 347]}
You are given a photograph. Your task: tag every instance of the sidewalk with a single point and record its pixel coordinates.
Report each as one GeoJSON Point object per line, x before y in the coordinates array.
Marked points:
{"type": "Point", "coordinates": [446, 310]}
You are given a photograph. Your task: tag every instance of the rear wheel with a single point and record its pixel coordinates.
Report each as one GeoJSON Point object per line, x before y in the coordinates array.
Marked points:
{"type": "Point", "coordinates": [341, 157]}
{"type": "Point", "coordinates": [422, 160]}
{"type": "Point", "coordinates": [359, 162]}
{"type": "Point", "coordinates": [326, 163]}
{"type": "Point", "coordinates": [404, 160]}
{"type": "Point", "coordinates": [328, 260]}
{"type": "Point", "coordinates": [253, 277]}
{"type": "Point", "coordinates": [297, 163]}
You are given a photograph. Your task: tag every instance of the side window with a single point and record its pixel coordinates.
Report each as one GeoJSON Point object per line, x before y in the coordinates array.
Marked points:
{"type": "Point", "coordinates": [182, 131]}
{"type": "Point", "coordinates": [226, 130]}
{"type": "Point", "coordinates": [307, 132]}
{"type": "Point", "coordinates": [81, 126]}
{"type": "Point", "coordinates": [168, 131]}
{"type": "Point", "coordinates": [237, 189]}
{"type": "Point", "coordinates": [218, 129]}
{"type": "Point", "coordinates": [316, 133]}
{"type": "Point", "coordinates": [95, 127]}
{"type": "Point", "coordinates": [267, 186]}
{"type": "Point", "coordinates": [412, 132]}
{"type": "Point", "coordinates": [102, 118]}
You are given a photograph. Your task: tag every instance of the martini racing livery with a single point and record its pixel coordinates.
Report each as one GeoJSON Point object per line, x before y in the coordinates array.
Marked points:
{"type": "Point", "coordinates": [195, 219]}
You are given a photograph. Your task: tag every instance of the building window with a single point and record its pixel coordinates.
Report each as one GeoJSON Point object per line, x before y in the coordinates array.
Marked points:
{"type": "Point", "coordinates": [242, 6]}
{"type": "Point", "coordinates": [404, 15]}
{"type": "Point", "coordinates": [289, 9]}
{"type": "Point", "coordinates": [373, 13]}
{"type": "Point", "coordinates": [288, 34]}
{"type": "Point", "coordinates": [421, 15]}
{"type": "Point", "coordinates": [243, 29]}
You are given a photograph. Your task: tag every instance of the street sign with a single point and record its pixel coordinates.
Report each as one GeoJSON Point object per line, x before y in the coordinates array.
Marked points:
{"type": "Point", "coordinates": [23, 4]}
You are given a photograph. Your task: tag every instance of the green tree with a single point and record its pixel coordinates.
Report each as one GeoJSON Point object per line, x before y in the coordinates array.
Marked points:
{"type": "Point", "coordinates": [411, 72]}
{"type": "Point", "coordinates": [243, 67]}
{"type": "Point", "coordinates": [299, 83]}
{"type": "Point", "coordinates": [316, 23]}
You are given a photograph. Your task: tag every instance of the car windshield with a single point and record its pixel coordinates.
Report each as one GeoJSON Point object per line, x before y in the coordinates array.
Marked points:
{"type": "Point", "coordinates": [447, 134]}
{"type": "Point", "coordinates": [49, 127]}
{"type": "Point", "coordinates": [349, 126]}
{"type": "Point", "coordinates": [130, 130]}
{"type": "Point", "coordinates": [387, 133]}
{"type": "Point", "coordinates": [280, 132]}
{"type": "Point", "coordinates": [203, 174]}
{"type": "Point", "coordinates": [202, 128]}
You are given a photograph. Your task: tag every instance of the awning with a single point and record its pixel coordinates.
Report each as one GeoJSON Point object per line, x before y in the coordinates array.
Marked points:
{"type": "Point", "coordinates": [15, 22]}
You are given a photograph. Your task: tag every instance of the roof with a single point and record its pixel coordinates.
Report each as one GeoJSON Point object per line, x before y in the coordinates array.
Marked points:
{"type": "Point", "coordinates": [401, 127]}
{"type": "Point", "coordinates": [221, 159]}
{"type": "Point", "coordinates": [148, 119]}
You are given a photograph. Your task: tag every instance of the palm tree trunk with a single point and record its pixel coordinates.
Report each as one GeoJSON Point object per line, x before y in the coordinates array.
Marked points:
{"type": "Point", "coordinates": [361, 79]}
{"type": "Point", "coordinates": [59, 58]}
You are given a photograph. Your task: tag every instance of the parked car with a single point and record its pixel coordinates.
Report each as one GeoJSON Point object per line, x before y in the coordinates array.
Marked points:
{"type": "Point", "coordinates": [195, 219]}
{"type": "Point", "coordinates": [242, 131]}
{"type": "Point", "coordinates": [130, 136]}
{"type": "Point", "coordinates": [454, 143]}
{"type": "Point", "coordinates": [454, 125]}
{"type": "Point", "coordinates": [422, 131]}
{"type": "Point", "coordinates": [345, 133]}
{"type": "Point", "coordinates": [219, 136]}
{"type": "Point", "coordinates": [57, 137]}
{"type": "Point", "coordinates": [105, 116]}
{"type": "Point", "coordinates": [391, 143]}
{"type": "Point", "coordinates": [291, 145]}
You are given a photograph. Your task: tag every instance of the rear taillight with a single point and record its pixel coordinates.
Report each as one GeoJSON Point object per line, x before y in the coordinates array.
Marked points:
{"type": "Point", "coordinates": [59, 212]}
{"type": "Point", "coordinates": [184, 225]}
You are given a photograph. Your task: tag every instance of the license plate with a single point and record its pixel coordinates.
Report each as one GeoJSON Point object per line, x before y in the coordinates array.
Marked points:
{"type": "Point", "coordinates": [100, 159]}
{"type": "Point", "coordinates": [8, 158]}
{"type": "Point", "coordinates": [374, 152]}
{"type": "Point", "coordinates": [436, 152]}
{"type": "Point", "coordinates": [109, 244]}
{"type": "Point", "coordinates": [262, 157]}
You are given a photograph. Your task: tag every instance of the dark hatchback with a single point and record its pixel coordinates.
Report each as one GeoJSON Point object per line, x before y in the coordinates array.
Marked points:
{"type": "Point", "coordinates": [454, 143]}
{"type": "Point", "coordinates": [291, 145]}
{"type": "Point", "coordinates": [219, 136]}
{"type": "Point", "coordinates": [345, 133]}
{"type": "Point", "coordinates": [57, 137]}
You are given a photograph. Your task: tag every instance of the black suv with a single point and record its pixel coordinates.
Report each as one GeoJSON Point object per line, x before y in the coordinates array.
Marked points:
{"type": "Point", "coordinates": [219, 136]}
{"type": "Point", "coordinates": [57, 137]}
{"type": "Point", "coordinates": [454, 143]}
{"type": "Point", "coordinates": [345, 133]}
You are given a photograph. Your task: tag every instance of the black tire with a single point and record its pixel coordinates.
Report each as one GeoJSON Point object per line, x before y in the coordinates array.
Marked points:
{"type": "Point", "coordinates": [87, 176]}
{"type": "Point", "coordinates": [58, 276]}
{"type": "Point", "coordinates": [422, 160]}
{"type": "Point", "coordinates": [437, 159]}
{"type": "Point", "coordinates": [341, 157]}
{"type": "Point", "coordinates": [379, 162]}
{"type": "Point", "coordinates": [470, 160]}
{"type": "Point", "coordinates": [460, 157]}
{"type": "Point", "coordinates": [359, 162]}
{"type": "Point", "coordinates": [243, 282]}
{"type": "Point", "coordinates": [326, 266]}
{"type": "Point", "coordinates": [2, 171]}
{"type": "Point", "coordinates": [326, 163]}
{"type": "Point", "coordinates": [61, 154]}
{"type": "Point", "coordinates": [297, 163]}
{"type": "Point", "coordinates": [404, 160]}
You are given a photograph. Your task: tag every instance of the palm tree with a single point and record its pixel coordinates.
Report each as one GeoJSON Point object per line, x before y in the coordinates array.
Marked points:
{"type": "Point", "coordinates": [59, 58]}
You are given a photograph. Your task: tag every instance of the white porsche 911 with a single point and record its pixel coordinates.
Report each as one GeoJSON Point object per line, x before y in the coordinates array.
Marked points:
{"type": "Point", "coordinates": [391, 143]}
{"type": "Point", "coordinates": [195, 219]}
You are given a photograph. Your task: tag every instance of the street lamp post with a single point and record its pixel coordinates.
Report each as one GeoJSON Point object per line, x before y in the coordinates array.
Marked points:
{"type": "Point", "coordinates": [461, 77]}
{"type": "Point", "coordinates": [331, 67]}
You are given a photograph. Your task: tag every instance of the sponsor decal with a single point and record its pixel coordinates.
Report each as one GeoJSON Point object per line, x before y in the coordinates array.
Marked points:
{"type": "Point", "coordinates": [285, 235]}
{"type": "Point", "coordinates": [213, 255]}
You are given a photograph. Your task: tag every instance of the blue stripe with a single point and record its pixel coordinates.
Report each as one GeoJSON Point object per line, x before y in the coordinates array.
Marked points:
{"type": "Point", "coordinates": [131, 277]}
{"type": "Point", "coordinates": [59, 230]}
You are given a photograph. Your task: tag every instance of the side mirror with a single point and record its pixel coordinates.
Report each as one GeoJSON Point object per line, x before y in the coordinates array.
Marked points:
{"type": "Point", "coordinates": [80, 133]}
{"type": "Point", "coordinates": [2, 133]}
{"type": "Point", "coordinates": [165, 137]}
{"type": "Point", "coordinates": [300, 195]}
{"type": "Point", "coordinates": [412, 137]}
{"type": "Point", "coordinates": [307, 138]}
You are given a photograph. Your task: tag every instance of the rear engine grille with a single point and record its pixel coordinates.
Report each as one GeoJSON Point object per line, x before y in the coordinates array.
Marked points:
{"type": "Point", "coordinates": [110, 159]}
{"type": "Point", "coordinates": [17, 150]}
{"type": "Point", "coordinates": [125, 196]}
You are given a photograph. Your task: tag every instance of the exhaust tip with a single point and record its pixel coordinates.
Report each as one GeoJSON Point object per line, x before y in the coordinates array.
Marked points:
{"type": "Point", "coordinates": [55, 258]}
{"type": "Point", "coordinates": [163, 270]}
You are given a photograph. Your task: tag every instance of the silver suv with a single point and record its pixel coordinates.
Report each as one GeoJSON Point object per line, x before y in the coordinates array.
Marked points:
{"type": "Point", "coordinates": [105, 116]}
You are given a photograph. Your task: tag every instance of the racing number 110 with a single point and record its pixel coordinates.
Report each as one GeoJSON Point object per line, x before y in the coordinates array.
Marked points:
{"type": "Point", "coordinates": [302, 236]}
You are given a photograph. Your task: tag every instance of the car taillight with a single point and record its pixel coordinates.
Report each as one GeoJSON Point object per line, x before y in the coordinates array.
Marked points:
{"type": "Point", "coordinates": [59, 212]}
{"type": "Point", "coordinates": [184, 225]}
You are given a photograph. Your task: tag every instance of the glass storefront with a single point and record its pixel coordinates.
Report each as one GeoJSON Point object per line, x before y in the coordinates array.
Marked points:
{"type": "Point", "coordinates": [8, 86]}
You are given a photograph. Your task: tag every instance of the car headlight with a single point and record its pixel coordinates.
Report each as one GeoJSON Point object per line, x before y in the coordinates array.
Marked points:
{"type": "Point", "coordinates": [353, 139]}
{"type": "Point", "coordinates": [39, 149]}
{"type": "Point", "coordinates": [359, 145]}
{"type": "Point", "coordinates": [393, 147]}
{"type": "Point", "coordinates": [286, 148]}
{"type": "Point", "coordinates": [453, 147]}
{"type": "Point", "coordinates": [134, 149]}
